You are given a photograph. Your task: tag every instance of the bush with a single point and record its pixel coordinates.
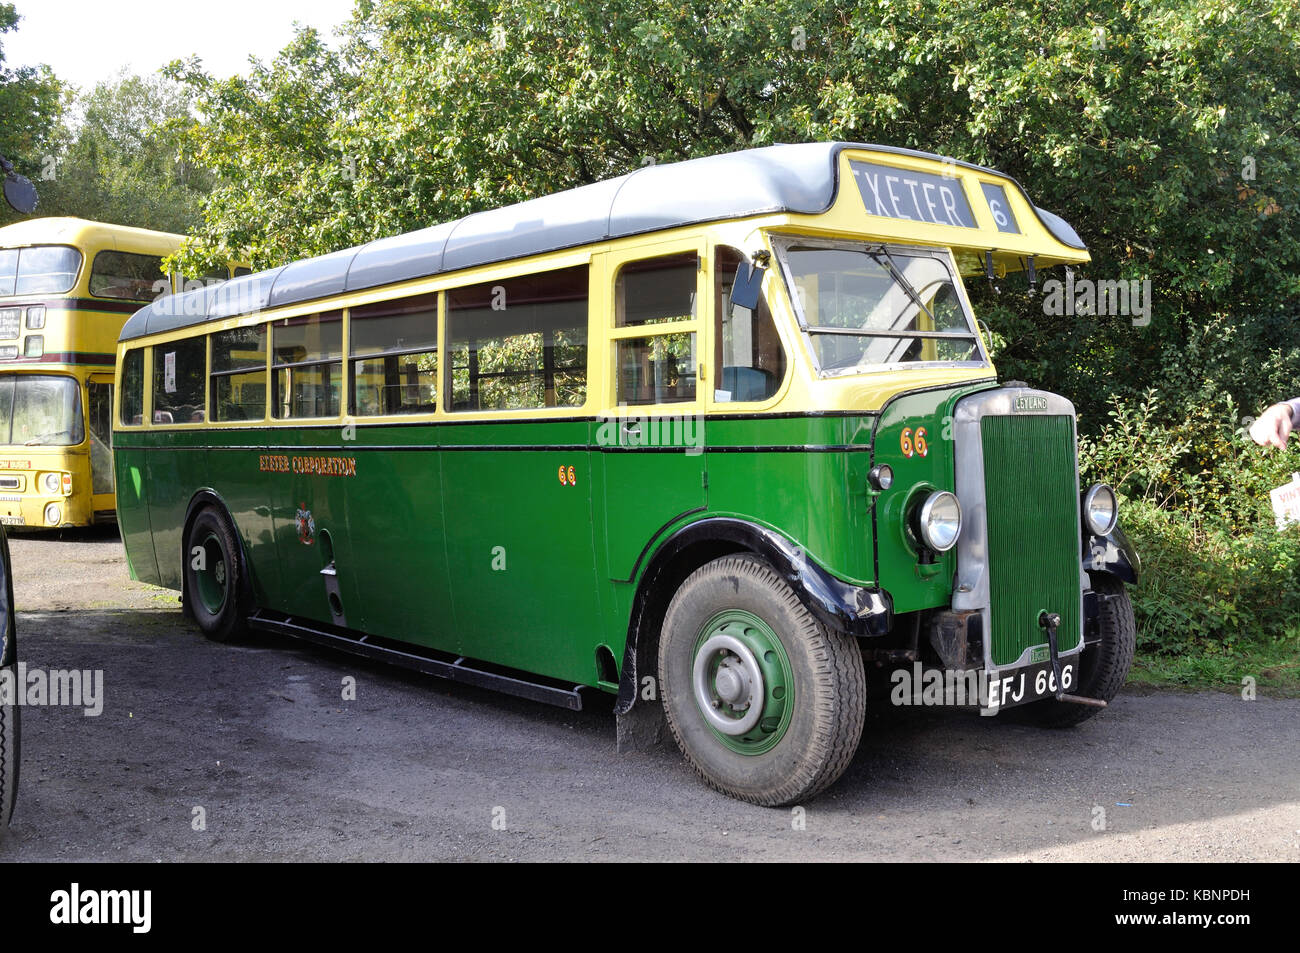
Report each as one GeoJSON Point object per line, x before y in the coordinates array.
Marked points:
{"type": "Point", "coordinates": [1217, 574]}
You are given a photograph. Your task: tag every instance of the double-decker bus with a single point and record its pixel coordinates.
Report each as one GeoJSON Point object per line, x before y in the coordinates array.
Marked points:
{"type": "Point", "coordinates": [717, 437]}
{"type": "Point", "coordinates": [67, 286]}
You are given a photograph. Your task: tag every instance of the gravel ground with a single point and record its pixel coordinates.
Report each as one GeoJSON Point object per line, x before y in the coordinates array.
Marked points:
{"type": "Point", "coordinates": [260, 739]}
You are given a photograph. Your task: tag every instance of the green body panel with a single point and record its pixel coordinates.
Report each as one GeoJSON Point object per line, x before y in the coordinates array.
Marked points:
{"type": "Point", "coordinates": [911, 584]}
{"type": "Point", "coordinates": [133, 517]}
{"type": "Point", "coordinates": [520, 549]}
{"type": "Point", "coordinates": [1033, 528]}
{"type": "Point", "coordinates": [463, 537]}
{"type": "Point", "coordinates": [797, 476]}
{"type": "Point", "coordinates": [646, 483]}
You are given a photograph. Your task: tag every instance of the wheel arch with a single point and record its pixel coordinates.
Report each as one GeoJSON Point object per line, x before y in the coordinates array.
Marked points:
{"type": "Point", "coordinates": [201, 499]}
{"type": "Point", "coordinates": [854, 609]}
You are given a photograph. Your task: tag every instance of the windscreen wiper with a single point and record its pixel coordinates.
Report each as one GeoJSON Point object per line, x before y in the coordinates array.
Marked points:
{"type": "Point", "coordinates": [906, 285]}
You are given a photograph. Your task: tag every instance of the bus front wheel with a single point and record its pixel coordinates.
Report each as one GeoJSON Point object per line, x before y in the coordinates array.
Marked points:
{"type": "Point", "coordinates": [214, 577]}
{"type": "Point", "coordinates": [765, 702]}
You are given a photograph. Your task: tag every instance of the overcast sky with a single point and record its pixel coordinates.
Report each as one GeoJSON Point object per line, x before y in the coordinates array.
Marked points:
{"type": "Point", "coordinates": [85, 41]}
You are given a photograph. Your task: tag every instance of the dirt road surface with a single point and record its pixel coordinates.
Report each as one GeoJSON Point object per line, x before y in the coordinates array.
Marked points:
{"type": "Point", "coordinates": [249, 752]}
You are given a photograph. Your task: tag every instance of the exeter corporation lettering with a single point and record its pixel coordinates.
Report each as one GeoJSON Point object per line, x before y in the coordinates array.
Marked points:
{"type": "Point", "coordinates": [313, 466]}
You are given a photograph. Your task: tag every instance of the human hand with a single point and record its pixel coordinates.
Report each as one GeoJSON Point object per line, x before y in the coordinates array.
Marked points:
{"type": "Point", "coordinates": [1273, 427]}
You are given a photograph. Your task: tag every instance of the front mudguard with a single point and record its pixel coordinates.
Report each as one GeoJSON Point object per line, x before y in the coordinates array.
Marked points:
{"type": "Point", "coordinates": [1112, 554]}
{"type": "Point", "coordinates": [857, 610]}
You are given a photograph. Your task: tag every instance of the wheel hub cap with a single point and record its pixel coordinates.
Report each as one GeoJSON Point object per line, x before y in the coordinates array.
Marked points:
{"type": "Point", "coordinates": [727, 681]}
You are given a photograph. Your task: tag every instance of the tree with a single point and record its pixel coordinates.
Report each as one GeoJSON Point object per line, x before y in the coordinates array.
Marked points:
{"type": "Point", "coordinates": [120, 160]}
{"type": "Point", "coordinates": [30, 105]}
{"type": "Point", "coordinates": [1165, 130]}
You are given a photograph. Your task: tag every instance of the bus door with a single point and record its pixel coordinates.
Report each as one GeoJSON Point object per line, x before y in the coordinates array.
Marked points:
{"type": "Point", "coordinates": [99, 427]}
{"type": "Point", "coordinates": [652, 440]}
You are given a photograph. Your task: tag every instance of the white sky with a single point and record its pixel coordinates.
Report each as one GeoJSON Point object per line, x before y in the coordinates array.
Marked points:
{"type": "Point", "coordinates": [85, 41]}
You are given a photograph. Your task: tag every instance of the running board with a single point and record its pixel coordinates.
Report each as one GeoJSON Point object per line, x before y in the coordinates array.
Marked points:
{"type": "Point", "coordinates": [458, 670]}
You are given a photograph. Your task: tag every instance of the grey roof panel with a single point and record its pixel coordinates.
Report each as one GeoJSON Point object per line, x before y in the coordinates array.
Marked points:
{"type": "Point", "coordinates": [244, 294]}
{"type": "Point", "coordinates": [798, 178]}
{"type": "Point", "coordinates": [311, 278]}
{"type": "Point", "coordinates": [563, 220]}
{"type": "Point", "coordinates": [789, 178]}
{"type": "Point", "coordinates": [398, 258]}
{"type": "Point", "coordinates": [171, 312]}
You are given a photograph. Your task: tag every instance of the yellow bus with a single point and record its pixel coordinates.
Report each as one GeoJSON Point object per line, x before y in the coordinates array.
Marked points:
{"type": "Point", "coordinates": [67, 285]}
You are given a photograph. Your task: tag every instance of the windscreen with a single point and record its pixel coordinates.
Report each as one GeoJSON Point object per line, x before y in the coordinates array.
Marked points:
{"type": "Point", "coordinates": [38, 410]}
{"type": "Point", "coordinates": [865, 307]}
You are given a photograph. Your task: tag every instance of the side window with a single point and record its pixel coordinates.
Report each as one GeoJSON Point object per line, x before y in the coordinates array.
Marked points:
{"type": "Point", "coordinates": [132, 413]}
{"type": "Point", "coordinates": [394, 355]}
{"type": "Point", "coordinates": [239, 374]}
{"type": "Point", "coordinates": [659, 367]}
{"type": "Point", "coordinates": [179, 369]}
{"type": "Point", "coordinates": [118, 274]}
{"type": "Point", "coordinates": [307, 368]}
{"type": "Point", "coordinates": [519, 343]}
{"type": "Point", "coordinates": [748, 361]}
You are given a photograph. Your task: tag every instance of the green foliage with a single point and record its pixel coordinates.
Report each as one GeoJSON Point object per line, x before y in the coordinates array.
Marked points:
{"type": "Point", "coordinates": [1166, 131]}
{"type": "Point", "coordinates": [1217, 575]}
{"type": "Point", "coordinates": [30, 104]}
{"type": "Point", "coordinates": [116, 158]}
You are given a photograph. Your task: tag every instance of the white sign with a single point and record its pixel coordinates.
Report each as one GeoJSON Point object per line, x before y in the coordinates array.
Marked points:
{"type": "Point", "coordinates": [1286, 502]}
{"type": "Point", "coordinates": [169, 372]}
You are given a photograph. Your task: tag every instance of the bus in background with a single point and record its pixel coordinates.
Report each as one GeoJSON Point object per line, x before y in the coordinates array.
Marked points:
{"type": "Point", "coordinates": [67, 286]}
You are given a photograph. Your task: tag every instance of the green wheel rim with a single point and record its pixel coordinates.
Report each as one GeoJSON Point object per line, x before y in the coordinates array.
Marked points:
{"type": "Point", "coordinates": [212, 578]}
{"type": "Point", "coordinates": [741, 680]}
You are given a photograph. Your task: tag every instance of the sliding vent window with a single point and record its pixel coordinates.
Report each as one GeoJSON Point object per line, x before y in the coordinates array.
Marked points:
{"type": "Point", "coordinates": [239, 374]}
{"type": "Point", "coordinates": [661, 366]}
{"type": "Point", "coordinates": [749, 363]}
{"type": "Point", "coordinates": [519, 343]}
{"type": "Point", "coordinates": [307, 368]}
{"type": "Point", "coordinates": [179, 369]}
{"type": "Point", "coordinates": [394, 347]}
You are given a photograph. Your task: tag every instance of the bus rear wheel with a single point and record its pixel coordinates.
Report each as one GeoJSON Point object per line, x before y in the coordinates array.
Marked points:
{"type": "Point", "coordinates": [765, 702]}
{"type": "Point", "coordinates": [214, 577]}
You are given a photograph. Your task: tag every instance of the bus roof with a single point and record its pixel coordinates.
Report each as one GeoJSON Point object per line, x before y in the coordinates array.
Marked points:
{"type": "Point", "coordinates": [61, 230]}
{"type": "Point", "coordinates": [796, 178]}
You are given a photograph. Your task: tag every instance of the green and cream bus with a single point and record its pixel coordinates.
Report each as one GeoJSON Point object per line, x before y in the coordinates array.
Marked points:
{"type": "Point", "coordinates": [718, 437]}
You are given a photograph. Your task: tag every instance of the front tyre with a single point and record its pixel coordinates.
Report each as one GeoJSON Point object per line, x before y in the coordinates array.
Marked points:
{"type": "Point", "coordinates": [9, 742]}
{"type": "Point", "coordinates": [1103, 667]}
{"type": "Point", "coordinates": [765, 702]}
{"type": "Point", "coordinates": [214, 577]}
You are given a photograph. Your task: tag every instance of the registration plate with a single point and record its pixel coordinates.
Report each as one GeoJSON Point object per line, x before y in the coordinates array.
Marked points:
{"type": "Point", "coordinates": [6, 520]}
{"type": "Point", "coordinates": [1020, 686]}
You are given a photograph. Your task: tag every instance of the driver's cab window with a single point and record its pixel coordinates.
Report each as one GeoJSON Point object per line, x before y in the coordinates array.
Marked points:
{"type": "Point", "coordinates": [748, 363]}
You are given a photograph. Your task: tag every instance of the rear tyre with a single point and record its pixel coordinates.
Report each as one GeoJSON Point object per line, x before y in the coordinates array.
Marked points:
{"type": "Point", "coordinates": [1103, 668]}
{"type": "Point", "coordinates": [9, 748]}
{"type": "Point", "coordinates": [764, 701]}
{"type": "Point", "coordinates": [214, 577]}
